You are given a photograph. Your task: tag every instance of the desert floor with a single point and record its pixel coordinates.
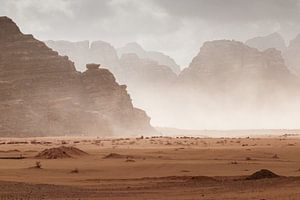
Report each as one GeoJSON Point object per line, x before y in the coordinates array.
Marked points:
{"type": "Point", "coordinates": [151, 168]}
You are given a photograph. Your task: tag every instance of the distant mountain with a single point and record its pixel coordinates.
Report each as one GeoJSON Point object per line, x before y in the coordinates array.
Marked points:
{"type": "Point", "coordinates": [223, 62]}
{"type": "Point", "coordinates": [148, 83]}
{"type": "Point", "coordinates": [43, 94]}
{"type": "Point", "coordinates": [159, 57]}
{"type": "Point", "coordinates": [147, 80]}
{"type": "Point", "coordinates": [231, 85]}
{"type": "Point", "coordinates": [292, 55]}
{"type": "Point", "coordinates": [139, 72]}
{"type": "Point", "coordinates": [274, 40]}
{"type": "Point", "coordinates": [85, 52]}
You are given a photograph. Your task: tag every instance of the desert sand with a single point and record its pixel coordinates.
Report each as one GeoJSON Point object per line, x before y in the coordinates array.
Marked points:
{"type": "Point", "coordinates": [150, 168]}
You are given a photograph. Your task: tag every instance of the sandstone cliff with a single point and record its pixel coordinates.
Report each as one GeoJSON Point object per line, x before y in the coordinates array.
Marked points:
{"type": "Point", "coordinates": [224, 63]}
{"type": "Point", "coordinates": [85, 52]}
{"type": "Point", "coordinates": [43, 94]}
{"type": "Point", "coordinates": [231, 85]}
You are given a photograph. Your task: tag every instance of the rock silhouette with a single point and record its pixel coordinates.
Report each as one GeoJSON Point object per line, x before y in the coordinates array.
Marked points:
{"type": "Point", "coordinates": [43, 94]}
{"type": "Point", "coordinates": [274, 40]}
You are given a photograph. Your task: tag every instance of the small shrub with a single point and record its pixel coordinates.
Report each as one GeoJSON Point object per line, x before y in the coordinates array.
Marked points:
{"type": "Point", "coordinates": [38, 165]}
{"type": "Point", "coordinates": [248, 158]}
{"type": "Point", "coordinates": [75, 171]}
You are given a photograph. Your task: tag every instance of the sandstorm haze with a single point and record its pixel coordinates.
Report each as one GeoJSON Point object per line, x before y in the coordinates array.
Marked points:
{"type": "Point", "coordinates": [176, 28]}
{"type": "Point", "coordinates": [188, 64]}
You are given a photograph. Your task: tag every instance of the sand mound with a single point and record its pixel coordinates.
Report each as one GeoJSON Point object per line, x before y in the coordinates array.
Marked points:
{"type": "Point", "coordinates": [117, 156]}
{"type": "Point", "coordinates": [60, 152]}
{"type": "Point", "coordinates": [262, 174]}
{"type": "Point", "coordinates": [120, 156]}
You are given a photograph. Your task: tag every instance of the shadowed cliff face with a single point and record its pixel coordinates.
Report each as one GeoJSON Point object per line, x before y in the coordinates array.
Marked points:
{"type": "Point", "coordinates": [43, 94]}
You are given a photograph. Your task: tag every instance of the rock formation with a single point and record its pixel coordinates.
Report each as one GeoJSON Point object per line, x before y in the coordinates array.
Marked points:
{"type": "Point", "coordinates": [76, 51]}
{"type": "Point", "coordinates": [85, 52]}
{"type": "Point", "coordinates": [160, 58]}
{"type": "Point", "coordinates": [274, 40]}
{"type": "Point", "coordinates": [229, 84]}
{"type": "Point", "coordinates": [222, 64]}
{"type": "Point", "coordinates": [292, 56]}
{"type": "Point", "coordinates": [143, 73]}
{"type": "Point", "coordinates": [148, 83]}
{"type": "Point", "coordinates": [43, 94]}
{"type": "Point", "coordinates": [106, 96]}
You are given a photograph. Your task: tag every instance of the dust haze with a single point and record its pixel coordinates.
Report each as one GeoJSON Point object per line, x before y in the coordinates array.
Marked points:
{"type": "Point", "coordinates": [108, 32]}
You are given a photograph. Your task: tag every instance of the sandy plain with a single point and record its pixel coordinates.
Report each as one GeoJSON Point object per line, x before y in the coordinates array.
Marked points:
{"type": "Point", "coordinates": [151, 168]}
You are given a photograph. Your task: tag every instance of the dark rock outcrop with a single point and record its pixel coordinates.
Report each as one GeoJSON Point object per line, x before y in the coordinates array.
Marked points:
{"type": "Point", "coordinates": [60, 153]}
{"type": "Point", "coordinates": [106, 96]}
{"type": "Point", "coordinates": [262, 174]}
{"type": "Point", "coordinates": [43, 94]}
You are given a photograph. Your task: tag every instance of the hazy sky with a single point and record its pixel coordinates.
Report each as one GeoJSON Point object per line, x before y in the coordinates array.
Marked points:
{"type": "Point", "coordinates": [175, 27]}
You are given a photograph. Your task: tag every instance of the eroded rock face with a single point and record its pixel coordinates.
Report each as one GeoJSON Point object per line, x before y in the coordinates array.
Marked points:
{"type": "Point", "coordinates": [43, 94]}
{"type": "Point", "coordinates": [224, 63]}
{"type": "Point", "coordinates": [148, 83]}
{"type": "Point", "coordinates": [160, 58]}
{"type": "Point", "coordinates": [231, 85]}
{"type": "Point", "coordinates": [274, 40]}
{"type": "Point", "coordinates": [85, 52]}
{"type": "Point", "coordinates": [76, 51]}
{"type": "Point", "coordinates": [138, 72]}
{"type": "Point", "coordinates": [292, 56]}
{"type": "Point", "coordinates": [106, 96]}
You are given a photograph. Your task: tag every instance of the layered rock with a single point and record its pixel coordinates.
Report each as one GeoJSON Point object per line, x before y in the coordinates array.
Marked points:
{"type": "Point", "coordinates": [231, 85]}
{"type": "Point", "coordinates": [106, 96]}
{"type": "Point", "coordinates": [43, 94]}
{"type": "Point", "coordinates": [159, 57]}
{"type": "Point", "coordinates": [223, 63]}
{"type": "Point", "coordinates": [76, 51]}
{"type": "Point", "coordinates": [274, 40]}
{"type": "Point", "coordinates": [85, 52]}
{"type": "Point", "coordinates": [292, 55]}
{"type": "Point", "coordinates": [148, 83]}
{"type": "Point", "coordinates": [144, 72]}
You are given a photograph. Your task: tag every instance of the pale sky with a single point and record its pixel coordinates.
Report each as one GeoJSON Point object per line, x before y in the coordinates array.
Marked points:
{"type": "Point", "coordinates": [175, 27]}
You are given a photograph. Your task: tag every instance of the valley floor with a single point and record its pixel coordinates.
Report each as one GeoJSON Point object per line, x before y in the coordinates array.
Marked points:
{"type": "Point", "coordinates": [151, 168]}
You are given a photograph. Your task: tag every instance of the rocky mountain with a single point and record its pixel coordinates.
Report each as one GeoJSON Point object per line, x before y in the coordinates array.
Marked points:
{"type": "Point", "coordinates": [141, 72]}
{"type": "Point", "coordinates": [84, 52]}
{"type": "Point", "coordinates": [274, 40]}
{"type": "Point", "coordinates": [43, 94]}
{"type": "Point", "coordinates": [159, 57]}
{"type": "Point", "coordinates": [229, 84]}
{"type": "Point", "coordinates": [147, 81]}
{"type": "Point", "coordinates": [292, 55]}
{"type": "Point", "coordinates": [223, 62]}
